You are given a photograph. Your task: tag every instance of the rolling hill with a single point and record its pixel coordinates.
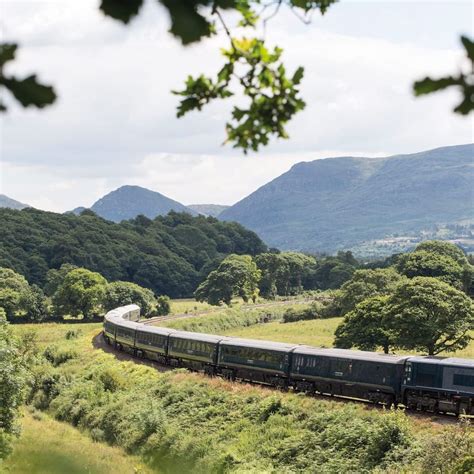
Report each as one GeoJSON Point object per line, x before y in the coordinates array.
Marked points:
{"type": "Point", "coordinates": [330, 204]}
{"type": "Point", "coordinates": [10, 203]}
{"type": "Point", "coordinates": [127, 202]}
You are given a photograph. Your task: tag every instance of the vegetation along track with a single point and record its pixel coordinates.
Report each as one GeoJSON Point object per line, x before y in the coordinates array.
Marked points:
{"type": "Point", "coordinates": [205, 312]}
{"type": "Point", "coordinates": [98, 342]}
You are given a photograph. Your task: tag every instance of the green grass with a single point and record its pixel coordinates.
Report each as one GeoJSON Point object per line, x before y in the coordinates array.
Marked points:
{"type": "Point", "coordinates": [47, 446]}
{"type": "Point", "coordinates": [184, 422]}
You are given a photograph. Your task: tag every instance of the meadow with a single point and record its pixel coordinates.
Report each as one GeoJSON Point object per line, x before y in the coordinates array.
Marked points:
{"type": "Point", "coordinates": [89, 410]}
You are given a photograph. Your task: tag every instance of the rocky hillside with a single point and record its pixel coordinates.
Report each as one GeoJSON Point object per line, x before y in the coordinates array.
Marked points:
{"type": "Point", "coordinates": [10, 203]}
{"type": "Point", "coordinates": [336, 203]}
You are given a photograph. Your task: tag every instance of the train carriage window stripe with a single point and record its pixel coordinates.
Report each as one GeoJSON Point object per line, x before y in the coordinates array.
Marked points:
{"type": "Point", "coordinates": [463, 380]}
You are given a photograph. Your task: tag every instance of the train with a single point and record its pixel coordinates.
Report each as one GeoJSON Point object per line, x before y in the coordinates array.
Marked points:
{"type": "Point", "coordinates": [423, 383]}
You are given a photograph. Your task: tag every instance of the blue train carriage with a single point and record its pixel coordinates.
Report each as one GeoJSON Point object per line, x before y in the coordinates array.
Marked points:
{"type": "Point", "coordinates": [346, 373]}
{"type": "Point", "coordinates": [151, 342]}
{"type": "Point", "coordinates": [439, 384]}
{"type": "Point", "coordinates": [257, 361]}
{"type": "Point", "coordinates": [193, 350]}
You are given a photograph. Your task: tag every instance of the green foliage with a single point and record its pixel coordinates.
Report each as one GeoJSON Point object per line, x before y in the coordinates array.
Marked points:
{"type": "Point", "coordinates": [170, 255]}
{"type": "Point", "coordinates": [57, 356]}
{"type": "Point", "coordinates": [121, 293]}
{"type": "Point", "coordinates": [13, 292]}
{"type": "Point", "coordinates": [464, 81]}
{"type": "Point", "coordinates": [283, 273]}
{"type": "Point", "coordinates": [365, 326]}
{"type": "Point", "coordinates": [331, 272]}
{"type": "Point", "coordinates": [163, 305]}
{"type": "Point", "coordinates": [313, 311]}
{"type": "Point", "coordinates": [365, 284]}
{"type": "Point", "coordinates": [236, 275]}
{"type": "Point", "coordinates": [55, 278]}
{"type": "Point", "coordinates": [28, 91]}
{"type": "Point", "coordinates": [12, 385]}
{"type": "Point", "coordinates": [230, 318]}
{"type": "Point", "coordinates": [429, 315]}
{"type": "Point", "coordinates": [429, 264]}
{"type": "Point", "coordinates": [450, 452]}
{"type": "Point", "coordinates": [81, 293]}
{"type": "Point", "coordinates": [273, 95]}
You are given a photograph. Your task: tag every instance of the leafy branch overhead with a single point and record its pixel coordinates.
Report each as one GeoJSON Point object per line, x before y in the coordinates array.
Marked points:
{"type": "Point", "coordinates": [251, 69]}
{"type": "Point", "coordinates": [463, 81]}
{"type": "Point", "coordinates": [28, 91]}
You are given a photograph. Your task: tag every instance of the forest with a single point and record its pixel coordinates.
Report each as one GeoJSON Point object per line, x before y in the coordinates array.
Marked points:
{"type": "Point", "coordinates": [170, 254]}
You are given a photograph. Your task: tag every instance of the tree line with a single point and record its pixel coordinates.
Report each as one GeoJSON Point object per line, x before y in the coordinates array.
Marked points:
{"type": "Point", "coordinates": [421, 302]}
{"type": "Point", "coordinates": [72, 292]}
{"type": "Point", "coordinates": [170, 254]}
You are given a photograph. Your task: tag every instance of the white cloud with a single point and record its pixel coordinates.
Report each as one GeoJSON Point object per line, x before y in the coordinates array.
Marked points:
{"type": "Point", "coordinates": [115, 119]}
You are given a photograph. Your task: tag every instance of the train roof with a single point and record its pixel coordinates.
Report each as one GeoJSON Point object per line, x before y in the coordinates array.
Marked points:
{"type": "Point", "coordinates": [155, 329]}
{"type": "Point", "coordinates": [350, 354]}
{"type": "Point", "coordinates": [197, 336]}
{"type": "Point", "coordinates": [125, 323]}
{"type": "Point", "coordinates": [259, 344]}
{"type": "Point", "coordinates": [451, 361]}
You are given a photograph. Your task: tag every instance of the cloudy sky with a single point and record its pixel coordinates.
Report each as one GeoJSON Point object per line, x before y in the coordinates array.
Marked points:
{"type": "Point", "coordinates": [114, 122]}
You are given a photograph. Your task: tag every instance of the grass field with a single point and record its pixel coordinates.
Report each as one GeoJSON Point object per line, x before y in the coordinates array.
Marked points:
{"type": "Point", "coordinates": [47, 446]}
{"type": "Point", "coordinates": [251, 424]}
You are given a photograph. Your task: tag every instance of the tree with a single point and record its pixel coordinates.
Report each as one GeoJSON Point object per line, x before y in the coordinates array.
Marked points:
{"type": "Point", "coordinates": [431, 264]}
{"type": "Point", "coordinates": [35, 304]}
{"type": "Point", "coordinates": [82, 292]}
{"type": "Point", "coordinates": [365, 326]}
{"type": "Point", "coordinates": [12, 385]}
{"type": "Point", "coordinates": [427, 314]}
{"type": "Point", "coordinates": [55, 277]}
{"type": "Point", "coordinates": [237, 275]}
{"type": "Point", "coordinates": [121, 293]}
{"type": "Point", "coordinates": [14, 290]}
{"type": "Point", "coordinates": [365, 284]}
{"type": "Point", "coordinates": [163, 305]}
{"type": "Point", "coordinates": [283, 273]}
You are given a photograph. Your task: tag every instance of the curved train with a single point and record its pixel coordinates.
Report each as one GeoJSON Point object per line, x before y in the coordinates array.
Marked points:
{"type": "Point", "coordinates": [434, 384]}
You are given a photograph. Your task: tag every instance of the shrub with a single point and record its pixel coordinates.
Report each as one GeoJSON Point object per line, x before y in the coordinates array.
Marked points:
{"type": "Point", "coordinates": [73, 334]}
{"type": "Point", "coordinates": [57, 356]}
{"type": "Point", "coordinates": [314, 311]}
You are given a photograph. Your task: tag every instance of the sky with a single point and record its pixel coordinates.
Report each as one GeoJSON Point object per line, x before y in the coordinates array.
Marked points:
{"type": "Point", "coordinates": [115, 120]}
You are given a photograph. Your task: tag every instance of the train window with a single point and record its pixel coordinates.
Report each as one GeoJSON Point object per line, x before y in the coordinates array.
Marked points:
{"type": "Point", "coordinates": [464, 380]}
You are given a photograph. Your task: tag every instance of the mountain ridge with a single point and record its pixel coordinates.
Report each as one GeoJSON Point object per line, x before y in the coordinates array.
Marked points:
{"type": "Point", "coordinates": [10, 203]}
{"type": "Point", "coordinates": [334, 203]}
{"type": "Point", "coordinates": [129, 201]}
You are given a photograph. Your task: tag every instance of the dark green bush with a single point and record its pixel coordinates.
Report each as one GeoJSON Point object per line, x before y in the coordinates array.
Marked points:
{"type": "Point", "coordinates": [313, 311]}
{"type": "Point", "coordinates": [57, 356]}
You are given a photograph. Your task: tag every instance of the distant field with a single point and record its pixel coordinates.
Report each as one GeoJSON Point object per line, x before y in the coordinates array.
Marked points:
{"type": "Point", "coordinates": [47, 446]}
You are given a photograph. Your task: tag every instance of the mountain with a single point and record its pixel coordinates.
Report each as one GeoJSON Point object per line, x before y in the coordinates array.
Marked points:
{"type": "Point", "coordinates": [337, 203]}
{"type": "Point", "coordinates": [5, 201]}
{"type": "Point", "coordinates": [127, 202]}
{"type": "Point", "coordinates": [212, 210]}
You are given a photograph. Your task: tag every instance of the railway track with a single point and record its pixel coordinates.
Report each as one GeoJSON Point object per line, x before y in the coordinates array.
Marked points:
{"type": "Point", "coordinates": [159, 319]}
{"type": "Point", "coordinates": [99, 343]}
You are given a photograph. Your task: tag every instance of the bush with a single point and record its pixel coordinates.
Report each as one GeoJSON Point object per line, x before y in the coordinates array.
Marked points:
{"type": "Point", "coordinates": [73, 334]}
{"type": "Point", "coordinates": [314, 311]}
{"type": "Point", "coordinates": [57, 356]}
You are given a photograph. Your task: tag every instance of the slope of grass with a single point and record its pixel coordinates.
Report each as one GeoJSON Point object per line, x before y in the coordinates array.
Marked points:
{"type": "Point", "coordinates": [47, 446]}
